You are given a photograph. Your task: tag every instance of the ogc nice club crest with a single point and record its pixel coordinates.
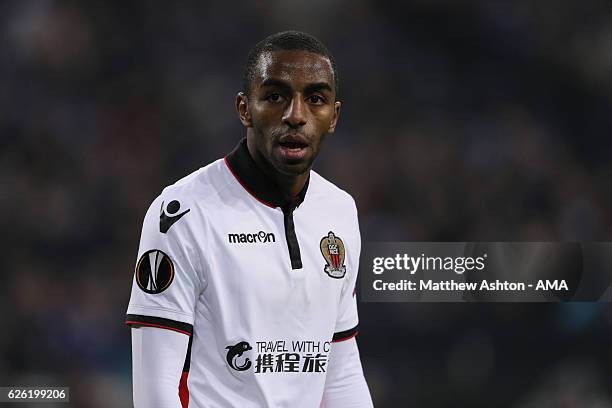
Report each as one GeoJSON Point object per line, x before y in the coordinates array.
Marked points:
{"type": "Point", "coordinates": [332, 249]}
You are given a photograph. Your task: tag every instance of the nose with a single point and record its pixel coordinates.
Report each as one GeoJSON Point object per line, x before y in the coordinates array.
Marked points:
{"type": "Point", "coordinates": [295, 114]}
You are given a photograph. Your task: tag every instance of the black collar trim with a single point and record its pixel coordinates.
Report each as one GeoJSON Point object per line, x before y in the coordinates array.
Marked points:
{"type": "Point", "coordinates": [255, 182]}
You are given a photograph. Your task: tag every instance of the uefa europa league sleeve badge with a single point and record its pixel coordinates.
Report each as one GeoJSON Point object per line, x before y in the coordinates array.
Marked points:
{"type": "Point", "coordinates": [332, 249]}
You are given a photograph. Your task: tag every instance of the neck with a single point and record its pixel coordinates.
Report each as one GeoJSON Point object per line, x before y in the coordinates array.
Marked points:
{"type": "Point", "coordinates": [289, 184]}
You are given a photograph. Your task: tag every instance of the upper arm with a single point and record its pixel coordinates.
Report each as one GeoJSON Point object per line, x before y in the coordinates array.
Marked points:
{"type": "Point", "coordinates": [169, 274]}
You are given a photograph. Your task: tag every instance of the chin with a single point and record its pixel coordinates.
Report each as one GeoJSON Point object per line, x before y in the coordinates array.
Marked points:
{"type": "Point", "coordinates": [293, 169]}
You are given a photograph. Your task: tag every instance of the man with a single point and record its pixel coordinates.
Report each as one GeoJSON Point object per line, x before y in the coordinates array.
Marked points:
{"type": "Point", "coordinates": [244, 285]}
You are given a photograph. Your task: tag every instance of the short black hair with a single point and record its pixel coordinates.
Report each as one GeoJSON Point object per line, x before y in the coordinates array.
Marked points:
{"type": "Point", "coordinates": [286, 40]}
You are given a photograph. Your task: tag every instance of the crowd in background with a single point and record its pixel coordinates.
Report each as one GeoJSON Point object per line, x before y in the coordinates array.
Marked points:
{"type": "Point", "coordinates": [461, 121]}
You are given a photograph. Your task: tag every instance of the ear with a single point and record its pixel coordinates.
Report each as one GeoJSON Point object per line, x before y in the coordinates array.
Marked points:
{"type": "Point", "coordinates": [242, 107]}
{"type": "Point", "coordinates": [332, 126]}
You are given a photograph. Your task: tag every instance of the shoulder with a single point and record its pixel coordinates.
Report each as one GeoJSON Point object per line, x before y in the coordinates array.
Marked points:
{"type": "Point", "coordinates": [196, 194]}
{"type": "Point", "coordinates": [330, 193]}
{"type": "Point", "coordinates": [199, 182]}
{"type": "Point", "coordinates": [199, 187]}
{"type": "Point", "coordinates": [338, 208]}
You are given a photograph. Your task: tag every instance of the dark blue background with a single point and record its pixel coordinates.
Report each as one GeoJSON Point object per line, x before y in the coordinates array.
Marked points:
{"type": "Point", "coordinates": [461, 121]}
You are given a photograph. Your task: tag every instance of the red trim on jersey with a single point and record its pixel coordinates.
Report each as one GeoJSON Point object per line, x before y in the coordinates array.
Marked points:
{"type": "Point", "coordinates": [346, 338]}
{"type": "Point", "coordinates": [157, 325]}
{"type": "Point", "coordinates": [244, 185]}
{"type": "Point", "coordinates": [184, 390]}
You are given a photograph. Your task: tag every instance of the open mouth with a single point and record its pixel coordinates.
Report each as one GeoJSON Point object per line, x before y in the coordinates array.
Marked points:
{"type": "Point", "coordinates": [293, 148]}
{"type": "Point", "coordinates": [293, 144]}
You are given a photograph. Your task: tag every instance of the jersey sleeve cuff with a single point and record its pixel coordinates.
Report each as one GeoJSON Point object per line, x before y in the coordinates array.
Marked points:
{"type": "Point", "coordinates": [346, 334]}
{"type": "Point", "coordinates": [162, 312]}
{"type": "Point", "coordinates": [151, 321]}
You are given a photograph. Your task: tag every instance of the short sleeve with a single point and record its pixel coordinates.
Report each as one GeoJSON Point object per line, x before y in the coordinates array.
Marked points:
{"type": "Point", "coordinates": [347, 320]}
{"type": "Point", "coordinates": [168, 274]}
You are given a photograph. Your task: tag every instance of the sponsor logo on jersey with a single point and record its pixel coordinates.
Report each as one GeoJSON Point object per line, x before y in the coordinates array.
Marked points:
{"type": "Point", "coordinates": [332, 249]}
{"type": "Point", "coordinates": [260, 237]}
{"type": "Point", "coordinates": [154, 271]}
{"type": "Point", "coordinates": [234, 354]}
{"type": "Point", "coordinates": [167, 217]}
{"type": "Point", "coordinates": [280, 356]}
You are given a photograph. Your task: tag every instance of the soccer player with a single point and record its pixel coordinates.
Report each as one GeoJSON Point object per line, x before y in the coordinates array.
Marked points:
{"type": "Point", "coordinates": [243, 294]}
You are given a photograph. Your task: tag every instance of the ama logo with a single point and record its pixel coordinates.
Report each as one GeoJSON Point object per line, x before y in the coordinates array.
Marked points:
{"type": "Point", "coordinates": [234, 354]}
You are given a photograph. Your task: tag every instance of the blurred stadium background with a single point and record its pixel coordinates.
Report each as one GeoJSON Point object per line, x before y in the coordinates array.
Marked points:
{"type": "Point", "coordinates": [462, 120]}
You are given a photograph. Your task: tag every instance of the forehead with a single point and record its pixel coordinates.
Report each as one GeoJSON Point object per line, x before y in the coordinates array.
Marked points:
{"type": "Point", "coordinates": [293, 66]}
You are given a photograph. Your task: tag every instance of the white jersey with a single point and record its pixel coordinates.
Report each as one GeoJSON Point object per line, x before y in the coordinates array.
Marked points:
{"type": "Point", "coordinates": [263, 285]}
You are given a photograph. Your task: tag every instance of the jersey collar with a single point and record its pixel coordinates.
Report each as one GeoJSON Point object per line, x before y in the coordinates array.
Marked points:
{"type": "Point", "coordinates": [253, 180]}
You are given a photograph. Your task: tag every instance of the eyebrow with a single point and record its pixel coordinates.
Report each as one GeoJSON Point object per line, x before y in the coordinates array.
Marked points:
{"type": "Point", "coordinates": [274, 82]}
{"type": "Point", "coordinates": [310, 88]}
{"type": "Point", "coordinates": [316, 87]}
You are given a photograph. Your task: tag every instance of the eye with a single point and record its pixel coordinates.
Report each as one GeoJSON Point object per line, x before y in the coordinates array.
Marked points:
{"type": "Point", "coordinates": [316, 100]}
{"type": "Point", "coordinates": [274, 98]}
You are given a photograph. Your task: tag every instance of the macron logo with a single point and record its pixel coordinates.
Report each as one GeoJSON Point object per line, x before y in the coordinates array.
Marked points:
{"type": "Point", "coordinates": [257, 238]}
